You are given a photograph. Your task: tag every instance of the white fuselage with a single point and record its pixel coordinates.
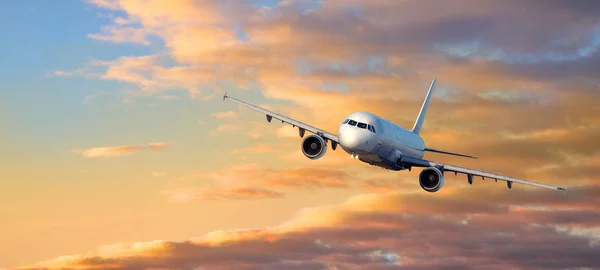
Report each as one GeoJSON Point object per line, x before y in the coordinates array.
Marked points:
{"type": "Point", "coordinates": [376, 141]}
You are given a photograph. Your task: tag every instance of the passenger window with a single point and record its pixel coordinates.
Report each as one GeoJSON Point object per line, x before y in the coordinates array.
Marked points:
{"type": "Point", "coordinates": [345, 121]}
{"type": "Point", "coordinates": [352, 123]}
{"type": "Point", "coordinates": [362, 125]}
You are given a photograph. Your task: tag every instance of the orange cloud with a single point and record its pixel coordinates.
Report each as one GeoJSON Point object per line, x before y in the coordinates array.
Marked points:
{"type": "Point", "coordinates": [122, 34]}
{"type": "Point", "coordinates": [208, 54]}
{"type": "Point", "coordinates": [374, 66]}
{"type": "Point", "coordinates": [115, 151]}
{"type": "Point", "coordinates": [365, 232]}
{"type": "Point", "coordinates": [308, 177]}
{"type": "Point", "coordinates": [259, 148]}
{"type": "Point", "coordinates": [379, 186]}
{"type": "Point", "coordinates": [223, 194]}
{"type": "Point", "coordinates": [224, 128]}
{"type": "Point", "coordinates": [158, 145]}
{"type": "Point", "coordinates": [249, 182]}
{"type": "Point", "coordinates": [158, 174]}
{"type": "Point", "coordinates": [227, 114]}
{"type": "Point", "coordinates": [287, 131]}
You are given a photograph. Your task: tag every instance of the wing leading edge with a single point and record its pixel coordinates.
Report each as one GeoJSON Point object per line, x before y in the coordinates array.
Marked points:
{"type": "Point", "coordinates": [285, 119]}
{"type": "Point", "coordinates": [470, 173]}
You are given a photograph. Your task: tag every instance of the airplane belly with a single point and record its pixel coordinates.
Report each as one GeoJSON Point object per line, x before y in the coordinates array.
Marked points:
{"type": "Point", "coordinates": [388, 152]}
{"type": "Point", "coordinates": [412, 152]}
{"type": "Point", "coordinates": [406, 150]}
{"type": "Point", "coordinates": [373, 156]}
{"type": "Point", "coordinates": [370, 158]}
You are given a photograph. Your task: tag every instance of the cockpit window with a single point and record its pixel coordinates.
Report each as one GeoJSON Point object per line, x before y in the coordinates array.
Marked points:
{"type": "Point", "coordinates": [360, 125]}
{"type": "Point", "coordinates": [371, 128]}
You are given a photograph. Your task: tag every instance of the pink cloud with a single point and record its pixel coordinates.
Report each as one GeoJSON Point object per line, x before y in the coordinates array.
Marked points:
{"type": "Point", "coordinates": [116, 151]}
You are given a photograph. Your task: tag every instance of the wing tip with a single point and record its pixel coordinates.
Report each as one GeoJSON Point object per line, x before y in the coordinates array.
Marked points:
{"type": "Point", "coordinates": [225, 96]}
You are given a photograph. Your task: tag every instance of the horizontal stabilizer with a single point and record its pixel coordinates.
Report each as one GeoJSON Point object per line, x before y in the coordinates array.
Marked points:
{"type": "Point", "coordinates": [447, 153]}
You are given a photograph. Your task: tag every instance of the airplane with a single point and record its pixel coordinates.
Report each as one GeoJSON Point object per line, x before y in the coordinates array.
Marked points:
{"type": "Point", "coordinates": [379, 142]}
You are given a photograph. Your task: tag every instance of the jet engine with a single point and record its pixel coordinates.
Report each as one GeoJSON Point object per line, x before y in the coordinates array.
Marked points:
{"type": "Point", "coordinates": [431, 179]}
{"type": "Point", "coordinates": [314, 146]}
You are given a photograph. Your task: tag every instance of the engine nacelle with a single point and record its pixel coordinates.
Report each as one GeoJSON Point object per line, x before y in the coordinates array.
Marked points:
{"type": "Point", "coordinates": [431, 179]}
{"type": "Point", "coordinates": [314, 146]}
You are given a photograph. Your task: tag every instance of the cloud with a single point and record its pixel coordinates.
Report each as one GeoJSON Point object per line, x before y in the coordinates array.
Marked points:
{"type": "Point", "coordinates": [324, 60]}
{"type": "Point", "coordinates": [371, 58]}
{"type": "Point", "coordinates": [250, 181]}
{"type": "Point", "coordinates": [332, 159]}
{"type": "Point", "coordinates": [257, 149]}
{"type": "Point", "coordinates": [376, 186]}
{"type": "Point", "coordinates": [115, 151]}
{"type": "Point", "coordinates": [87, 99]}
{"type": "Point", "coordinates": [158, 145]}
{"type": "Point", "coordinates": [62, 73]}
{"type": "Point", "coordinates": [308, 177]}
{"type": "Point", "coordinates": [168, 97]}
{"type": "Point", "coordinates": [158, 174]}
{"type": "Point", "coordinates": [255, 129]}
{"type": "Point", "coordinates": [384, 231]}
{"type": "Point", "coordinates": [224, 128]}
{"type": "Point", "coordinates": [123, 34]}
{"type": "Point", "coordinates": [525, 104]}
{"type": "Point", "coordinates": [110, 151]}
{"type": "Point", "coordinates": [223, 194]}
{"type": "Point", "coordinates": [109, 4]}
{"type": "Point", "coordinates": [287, 131]}
{"type": "Point", "coordinates": [223, 115]}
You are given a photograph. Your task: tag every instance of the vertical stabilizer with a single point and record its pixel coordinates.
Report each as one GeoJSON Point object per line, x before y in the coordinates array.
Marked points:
{"type": "Point", "coordinates": [419, 123]}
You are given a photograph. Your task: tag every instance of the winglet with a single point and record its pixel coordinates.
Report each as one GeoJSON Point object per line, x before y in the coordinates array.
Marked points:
{"type": "Point", "coordinates": [419, 122]}
{"type": "Point", "coordinates": [225, 96]}
{"type": "Point", "coordinates": [563, 189]}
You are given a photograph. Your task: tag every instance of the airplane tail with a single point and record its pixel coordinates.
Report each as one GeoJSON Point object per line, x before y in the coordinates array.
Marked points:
{"type": "Point", "coordinates": [419, 123]}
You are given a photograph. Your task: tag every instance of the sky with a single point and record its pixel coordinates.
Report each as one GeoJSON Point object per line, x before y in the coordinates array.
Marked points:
{"type": "Point", "coordinates": [118, 152]}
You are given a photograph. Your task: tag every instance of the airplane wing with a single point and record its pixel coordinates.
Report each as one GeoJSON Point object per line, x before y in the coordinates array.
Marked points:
{"type": "Point", "coordinates": [448, 153]}
{"type": "Point", "coordinates": [302, 127]}
{"type": "Point", "coordinates": [470, 173]}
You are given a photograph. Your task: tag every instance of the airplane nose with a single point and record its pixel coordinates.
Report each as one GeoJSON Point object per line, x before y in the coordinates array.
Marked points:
{"type": "Point", "coordinates": [349, 140]}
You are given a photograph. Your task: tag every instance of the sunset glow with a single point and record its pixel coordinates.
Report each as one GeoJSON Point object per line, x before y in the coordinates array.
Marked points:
{"type": "Point", "coordinates": [119, 153]}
